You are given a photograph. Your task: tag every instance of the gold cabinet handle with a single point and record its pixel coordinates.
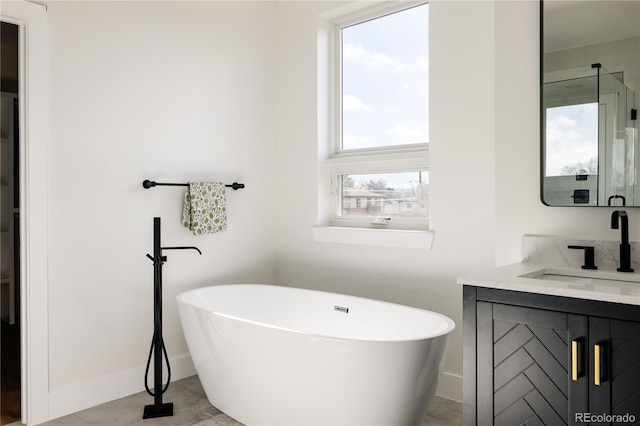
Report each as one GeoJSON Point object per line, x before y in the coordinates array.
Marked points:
{"type": "Point", "coordinates": [574, 360]}
{"type": "Point", "coordinates": [596, 362]}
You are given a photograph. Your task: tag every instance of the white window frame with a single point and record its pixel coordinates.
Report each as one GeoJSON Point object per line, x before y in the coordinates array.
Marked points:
{"type": "Point", "coordinates": [398, 158]}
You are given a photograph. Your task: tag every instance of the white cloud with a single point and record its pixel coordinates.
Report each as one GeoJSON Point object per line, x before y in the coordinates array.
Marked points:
{"type": "Point", "coordinates": [410, 134]}
{"type": "Point", "coordinates": [423, 64]}
{"type": "Point", "coordinates": [352, 141]}
{"type": "Point", "coordinates": [352, 51]}
{"type": "Point", "coordinates": [569, 139]}
{"type": "Point", "coordinates": [351, 103]}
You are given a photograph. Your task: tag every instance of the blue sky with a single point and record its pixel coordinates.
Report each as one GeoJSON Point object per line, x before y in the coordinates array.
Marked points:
{"type": "Point", "coordinates": [572, 136]}
{"type": "Point", "coordinates": [385, 80]}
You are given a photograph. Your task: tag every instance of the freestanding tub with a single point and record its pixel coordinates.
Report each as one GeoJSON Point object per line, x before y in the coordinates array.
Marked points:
{"type": "Point", "coordinates": [271, 355]}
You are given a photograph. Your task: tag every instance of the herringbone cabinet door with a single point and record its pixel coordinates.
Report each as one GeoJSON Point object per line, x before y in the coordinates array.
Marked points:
{"type": "Point", "coordinates": [625, 371]}
{"type": "Point", "coordinates": [525, 366]}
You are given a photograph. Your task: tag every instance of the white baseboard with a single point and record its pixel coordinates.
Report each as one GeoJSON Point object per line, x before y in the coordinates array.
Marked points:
{"type": "Point", "coordinates": [450, 386]}
{"type": "Point", "coordinates": [80, 396]}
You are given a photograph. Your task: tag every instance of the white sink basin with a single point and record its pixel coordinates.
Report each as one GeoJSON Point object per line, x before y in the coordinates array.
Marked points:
{"type": "Point", "coordinates": [584, 276]}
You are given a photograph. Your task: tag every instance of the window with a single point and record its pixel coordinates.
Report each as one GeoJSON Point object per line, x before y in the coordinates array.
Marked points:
{"type": "Point", "coordinates": [572, 140]}
{"type": "Point", "coordinates": [377, 161]}
{"type": "Point", "coordinates": [382, 195]}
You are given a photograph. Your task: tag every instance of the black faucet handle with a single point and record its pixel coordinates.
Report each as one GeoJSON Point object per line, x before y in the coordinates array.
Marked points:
{"type": "Point", "coordinates": [589, 256]}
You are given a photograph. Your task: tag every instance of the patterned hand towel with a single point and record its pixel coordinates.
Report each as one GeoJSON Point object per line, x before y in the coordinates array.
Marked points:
{"type": "Point", "coordinates": [204, 210]}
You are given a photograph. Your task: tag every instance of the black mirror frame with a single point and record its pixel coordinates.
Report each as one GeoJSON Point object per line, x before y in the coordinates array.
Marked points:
{"type": "Point", "coordinates": [542, 121]}
{"type": "Point", "coordinates": [541, 106]}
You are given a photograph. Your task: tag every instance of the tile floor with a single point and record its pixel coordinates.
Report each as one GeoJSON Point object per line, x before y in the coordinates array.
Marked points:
{"type": "Point", "coordinates": [191, 408]}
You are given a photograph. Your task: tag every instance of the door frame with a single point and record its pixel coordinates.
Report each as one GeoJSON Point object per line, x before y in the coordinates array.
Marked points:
{"type": "Point", "coordinates": [34, 153]}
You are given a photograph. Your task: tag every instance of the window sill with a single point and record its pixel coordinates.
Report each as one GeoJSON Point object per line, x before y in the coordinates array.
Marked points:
{"type": "Point", "coordinates": [375, 237]}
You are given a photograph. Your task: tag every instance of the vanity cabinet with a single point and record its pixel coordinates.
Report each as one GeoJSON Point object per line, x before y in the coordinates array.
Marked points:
{"type": "Point", "coordinates": [547, 360]}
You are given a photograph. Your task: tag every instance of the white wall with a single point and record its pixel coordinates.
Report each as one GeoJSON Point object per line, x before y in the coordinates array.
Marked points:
{"type": "Point", "coordinates": [613, 56]}
{"type": "Point", "coordinates": [518, 207]}
{"type": "Point", "coordinates": [462, 198]}
{"type": "Point", "coordinates": [170, 92]}
{"type": "Point", "coordinates": [484, 162]}
{"type": "Point", "coordinates": [228, 90]}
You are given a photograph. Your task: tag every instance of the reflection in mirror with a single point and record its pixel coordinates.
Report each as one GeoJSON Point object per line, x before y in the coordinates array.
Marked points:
{"type": "Point", "coordinates": [590, 75]}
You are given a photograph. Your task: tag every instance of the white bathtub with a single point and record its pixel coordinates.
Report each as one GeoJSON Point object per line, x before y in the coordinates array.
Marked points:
{"type": "Point", "coordinates": [271, 355]}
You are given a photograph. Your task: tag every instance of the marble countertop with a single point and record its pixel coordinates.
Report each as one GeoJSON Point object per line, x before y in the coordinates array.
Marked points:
{"type": "Point", "coordinates": [602, 285]}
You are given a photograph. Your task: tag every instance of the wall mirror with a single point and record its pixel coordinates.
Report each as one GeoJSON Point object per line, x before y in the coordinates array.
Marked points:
{"type": "Point", "coordinates": [590, 94]}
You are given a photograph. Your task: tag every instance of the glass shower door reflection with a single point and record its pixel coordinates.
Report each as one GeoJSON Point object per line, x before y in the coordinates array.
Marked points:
{"type": "Point", "coordinates": [618, 141]}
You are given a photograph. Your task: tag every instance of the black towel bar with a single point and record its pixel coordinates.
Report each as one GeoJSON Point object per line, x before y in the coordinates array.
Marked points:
{"type": "Point", "coordinates": [150, 184]}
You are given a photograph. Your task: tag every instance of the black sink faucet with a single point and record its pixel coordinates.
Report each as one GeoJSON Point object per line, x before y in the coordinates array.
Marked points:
{"type": "Point", "coordinates": [625, 249]}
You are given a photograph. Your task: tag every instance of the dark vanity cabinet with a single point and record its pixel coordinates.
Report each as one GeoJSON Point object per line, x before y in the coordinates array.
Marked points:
{"type": "Point", "coordinates": [545, 360]}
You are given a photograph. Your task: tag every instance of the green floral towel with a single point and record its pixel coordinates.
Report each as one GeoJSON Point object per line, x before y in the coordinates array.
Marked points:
{"type": "Point", "coordinates": [204, 210]}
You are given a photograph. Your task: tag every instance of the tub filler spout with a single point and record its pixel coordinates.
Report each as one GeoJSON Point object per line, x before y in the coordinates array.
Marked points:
{"type": "Point", "coordinates": [158, 349]}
